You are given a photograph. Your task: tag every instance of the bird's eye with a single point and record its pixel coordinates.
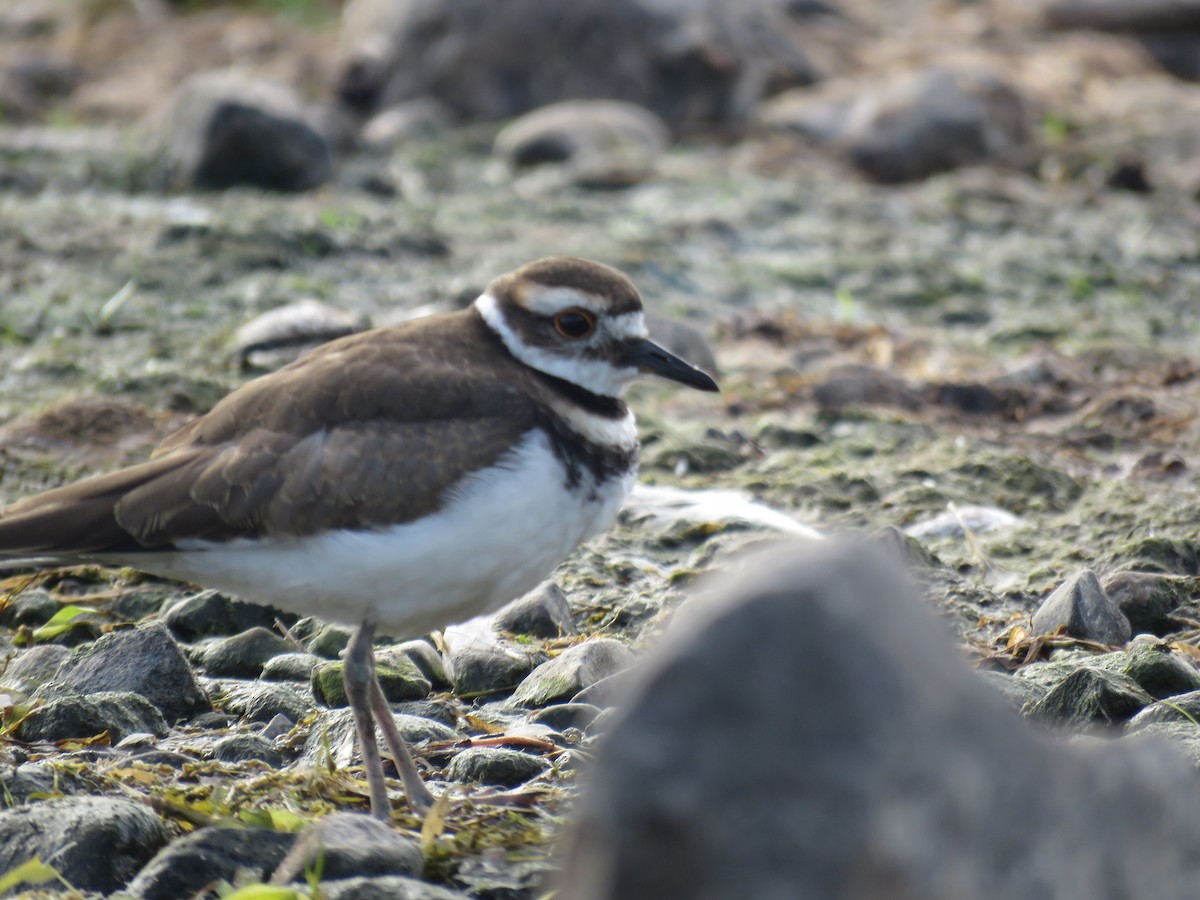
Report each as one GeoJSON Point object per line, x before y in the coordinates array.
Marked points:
{"type": "Point", "coordinates": [574, 324]}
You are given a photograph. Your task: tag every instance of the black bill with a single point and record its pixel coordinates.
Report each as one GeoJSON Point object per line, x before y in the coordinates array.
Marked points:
{"type": "Point", "coordinates": [653, 359]}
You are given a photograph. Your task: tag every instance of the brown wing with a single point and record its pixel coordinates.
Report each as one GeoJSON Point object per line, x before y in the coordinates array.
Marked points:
{"type": "Point", "coordinates": [365, 432]}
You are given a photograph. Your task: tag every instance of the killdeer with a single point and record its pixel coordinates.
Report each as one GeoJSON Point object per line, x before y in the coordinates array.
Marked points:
{"type": "Point", "coordinates": [400, 479]}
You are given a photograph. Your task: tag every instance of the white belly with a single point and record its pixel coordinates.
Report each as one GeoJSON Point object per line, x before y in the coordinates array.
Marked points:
{"type": "Point", "coordinates": [498, 538]}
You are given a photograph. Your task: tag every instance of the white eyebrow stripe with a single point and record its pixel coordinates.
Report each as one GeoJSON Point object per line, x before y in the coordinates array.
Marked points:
{"type": "Point", "coordinates": [626, 325]}
{"type": "Point", "coordinates": [546, 301]}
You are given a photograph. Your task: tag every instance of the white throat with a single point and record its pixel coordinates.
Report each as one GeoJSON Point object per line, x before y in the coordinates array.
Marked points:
{"type": "Point", "coordinates": [595, 375]}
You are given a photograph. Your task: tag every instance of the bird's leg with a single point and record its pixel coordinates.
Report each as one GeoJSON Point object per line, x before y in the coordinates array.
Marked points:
{"type": "Point", "coordinates": [419, 796]}
{"type": "Point", "coordinates": [358, 675]}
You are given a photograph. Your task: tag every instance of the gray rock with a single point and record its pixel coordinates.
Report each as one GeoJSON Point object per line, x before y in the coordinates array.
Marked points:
{"type": "Point", "coordinates": [262, 701]}
{"type": "Point", "coordinates": [227, 128]}
{"type": "Point", "coordinates": [120, 713]}
{"type": "Point", "coordinates": [1091, 696]}
{"type": "Point", "coordinates": [906, 776]}
{"type": "Point", "coordinates": [423, 655]}
{"type": "Point", "coordinates": [390, 887]}
{"type": "Point", "coordinates": [686, 61]}
{"type": "Point", "coordinates": [389, 128]}
{"type": "Point", "coordinates": [142, 660]}
{"type": "Point", "coordinates": [401, 680]}
{"type": "Point", "coordinates": [1081, 605]}
{"type": "Point", "coordinates": [329, 641]}
{"type": "Point", "coordinates": [573, 670]}
{"type": "Point", "coordinates": [562, 716]}
{"type": "Point", "coordinates": [240, 747]}
{"type": "Point", "coordinates": [910, 126]}
{"type": "Point", "coordinates": [243, 655]}
{"type": "Point", "coordinates": [30, 669]}
{"type": "Point", "coordinates": [31, 608]}
{"type": "Point", "coordinates": [1020, 693]}
{"type": "Point", "coordinates": [187, 865]}
{"type": "Point", "coordinates": [335, 730]}
{"type": "Point", "coordinates": [862, 385]}
{"type": "Point", "coordinates": [437, 710]}
{"type": "Point", "coordinates": [18, 786]}
{"type": "Point", "coordinates": [497, 766]}
{"type": "Point", "coordinates": [491, 668]}
{"type": "Point", "coordinates": [1147, 599]}
{"type": "Point", "coordinates": [350, 845]}
{"type": "Point", "coordinates": [544, 612]}
{"type": "Point", "coordinates": [95, 843]}
{"type": "Point", "coordinates": [596, 138]}
{"type": "Point", "coordinates": [290, 667]}
{"type": "Point", "coordinates": [210, 614]}
{"type": "Point", "coordinates": [1155, 669]}
{"type": "Point", "coordinates": [1180, 708]}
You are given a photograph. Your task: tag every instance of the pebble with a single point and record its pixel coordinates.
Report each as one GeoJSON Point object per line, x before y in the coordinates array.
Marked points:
{"type": "Point", "coordinates": [189, 864]}
{"type": "Point", "coordinates": [144, 661]}
{"type": "Point", "coordinates": [1147, 599]}
{"type": "Point", "coordinates": [1090, 696]}
{"type": "Point", "coordinates": [571, 671]}
{"type": "Point", "coordinates": [225, 128]}
{"type": "Point", "coordinates": [260, 701]}
{"type": "Point", "coordinates": [1155, 669]}
{"type": "Point", "coordinates": [212, 614]}
{"type": "Point", "coordinates": [32, 668]}
{"type": "Point", "coordinates": [562, 716]}
{"type": "Point", "coordinates": [492, 668]}
{"type": "Point", "coordinates": [543, 613]}
{"type": "Point", "coordinates": [496, 766]}
{"type": "Point", "coordinates": [335, 729]}
{"type": "Point", "coordinates": [31, 608]}
{"type": "Point", "coordinates": [1180, 708]}
{"type": "Point", "coordinates": [389, 887]}
{"type": "Point", "coordinates": [290, 667]}
{"type": "Point", "coordinates": [94, 843]}
{"type": "Point", "coordinates": [241, 747]}
{"type": "Point", "coordinates": [423, 655]}
{"type": "Point", "coordinates": [120, 713]}
{"type": "Point", "coordinates": [400, 680]}
{"type": "Point", "coordinates": [1081, 605]}
{"type": "Point", "coordinates": [243, 655]}
{"type": "Point", "coordinates": [349, 845]}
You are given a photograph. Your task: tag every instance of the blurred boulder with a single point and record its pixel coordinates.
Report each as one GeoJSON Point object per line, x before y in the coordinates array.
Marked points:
{"type": "Point", "coordinates": [855, 755]}
{"type": "Point", "coordinates": [690, 61]}
{"type": "Point", "coordinates": [590, 135]}
{"type": "Point", "coordinates": [225, 128]}
{"type": "Point", "coordinates": [910, 127]}
{"type": "Point", "coordinates": [1168, 29]}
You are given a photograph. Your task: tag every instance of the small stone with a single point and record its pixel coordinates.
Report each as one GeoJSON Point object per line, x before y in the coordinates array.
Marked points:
{"type": "Point", "coordinates": [423, 655]}
{"type": "Point", "coordinates": [1020, 693]}
{"type": "Point", "coordinates": [32, 668]}
{"type": "Point", "coordinates": [187, 866]}
{"type": "Point", "coordinates": [562, 716]}
{"type": "Point", "coordinates": [243, 655]}
{"type": "Point", "coordinates": [290, 667]}
{"type": "Point", "coordinates": [240, 747]}
{"type": "Point", "coordinates": [389, 887]}
{"type": "Point", "coordinates": [333, 733]}
{"type": "Point", "coordinates": [400, 681]}
{"type": "Point", "coordinates": [120, 713]}
{"type": "Point", "coordinates": [1090, 696]}
{"type": "Point", "coordinates": [94, 843]}
{"type": "Point", "coordinates": [349, 845]}
{"type": "Point", "coordinates": [19, 786]}
{"type": "Point", "coordinates": [277, 727]}
{"type": "Point", "coordinates": [262, 701]}
{"type": "Point", "coordinates": [862, 385]}
{"type": "Point", "coordinates": [227, 128]}
{"type": "Point", "coordinates": [437, 710]}
{"type": "Point", "coordinates": [1087, 613]}
{"type": "Point", "coordinates": [31, 608]}
{"type": "Point", "coordinates": [329, 642]}
{"type": "Point", "coordinates": [144, 661]}
{"type": "Point", "coordinates": [1147, 599]}
{"type": "Point", "coordinates": [1156, 670]}
{"type": "Point", "coordinates": [497, 766]}
{"type": "Point", "coordinates": [491, 668]}
{"type": "Point", "coordinates": [544, 612]}
{"type": "Point", "coordinates": [604, 693]}
{"type": "Point", "coordinates": [212, 614]}
{"type": "Point", "coordinates": [1180, 708]}
{"type": "Point", "coordinates": [573, 670]}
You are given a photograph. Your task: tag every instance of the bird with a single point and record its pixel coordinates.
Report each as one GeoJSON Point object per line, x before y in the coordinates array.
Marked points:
{"type": "Point", "coordinates": [397, 480]}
